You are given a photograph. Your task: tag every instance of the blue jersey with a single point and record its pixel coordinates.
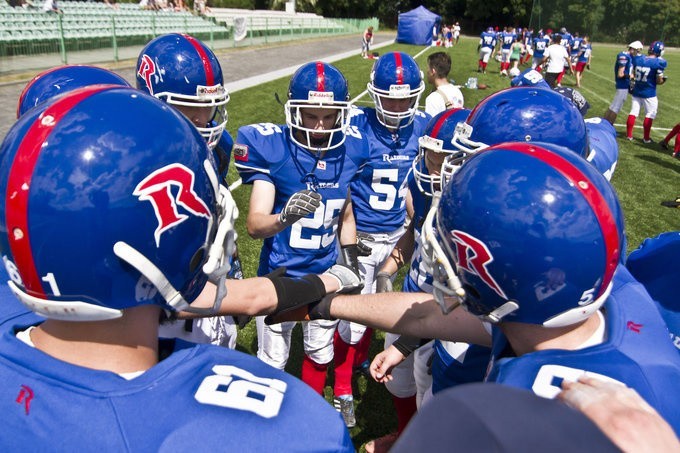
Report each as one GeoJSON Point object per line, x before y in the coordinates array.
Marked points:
{"type": "Point", "coordinates": [265, 151]}
{"type": "Point", "coordinates": [507, 39]}
{"type": "Point", "coordinates": [222, 153]}
{"type": "Point", "coordinates": [604, 149]}
{"type": "Point", "coordinates": [584, 51]}
{"type": "Point", "coordinates": [567, 41]}
{"type": "Point", "coordinates": [378, 195]}
{"type": "Point", "coordinates": [646, 70]}
{"type": "Point", "coordinates": [636, 352]}
{"type": "Point", "coordinates": [199, 398]}
{"type": "Point", "coordinates": [656, 264]}
{"type": "Point", "coordinates": [576, 45]}
{"type": "Point", "coordinates": [418, 278]}
{"type": "Point", "coordinates": [453, 363]}
{"type": "Point", "coordinates": [487, 39]}
{"type": "Point", "coordinates": [623, 60]}
{"type": "Point", "coordinates": [540, 44]}
{"type": "Point", "coordinates": [11, 310]}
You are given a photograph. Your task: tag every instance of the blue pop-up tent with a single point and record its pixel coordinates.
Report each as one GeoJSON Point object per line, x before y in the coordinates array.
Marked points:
{"type": "Point", "coordinates": [415, 26]}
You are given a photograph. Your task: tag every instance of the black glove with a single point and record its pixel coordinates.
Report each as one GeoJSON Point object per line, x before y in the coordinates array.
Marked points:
{"type": "Point", "coordinates": [383, 282]}
{"type": "Point", "coordinates": [631, 86]}
{"type": "Point", "coordinates": [363, 248]}
{"type": "Point", "coordinates": [350, 256]}
{"type": "Point", "coordinates": [304, 312]}
{"type": "Point", "coordinates": [299, 205]}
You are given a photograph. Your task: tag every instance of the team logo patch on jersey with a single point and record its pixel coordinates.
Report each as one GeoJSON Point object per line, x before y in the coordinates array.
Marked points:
{"type": "Point", "coordinates": [240, 152]}
{"type": "Point", "coordinates": [157, 189]}
{"type": "Point", "coordinates": [321, 165]}
{"type": "Point", "coordinates": [147, 68]}
{"type": "Point", "coordinates": [474, 257]}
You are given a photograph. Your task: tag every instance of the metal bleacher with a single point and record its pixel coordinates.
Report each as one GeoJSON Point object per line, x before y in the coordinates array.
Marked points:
{"type": "Point", "coordinates": [98, 27]}
{"type": "Point", "coordinates": [92, 25]}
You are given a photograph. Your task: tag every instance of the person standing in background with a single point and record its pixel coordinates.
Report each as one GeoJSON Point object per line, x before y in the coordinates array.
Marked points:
{"type": "Point", "coordinates": [445, 94]}
{"type": "Point", "coordinates": [366, 42]}
{"type": "Point", "coordinates": [623, 70]}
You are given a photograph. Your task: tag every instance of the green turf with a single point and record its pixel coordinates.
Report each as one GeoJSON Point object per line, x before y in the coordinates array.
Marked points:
{"type": "Point", "coordinates": [645, 175]}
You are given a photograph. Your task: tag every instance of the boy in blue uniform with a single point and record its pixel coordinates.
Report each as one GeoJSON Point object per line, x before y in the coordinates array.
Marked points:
{"type": "Point", "coordinates": [648, 72]}
{"type": "Point", "coordinates": [411, 377]}
{"type": "Point", "coordinates": [182, 71]}
{"type": "Point", "coordinates": [133, 221]}
{"type": "Point", "coordinates": [623, 74]}
{"type": "Point", "coordinates": [392, 130]}
{"type": "Point", "coordinates": [487, 44]}
{"type": "Point", "coordinates": [540, 43]}
{"type": "Point", "coordinates": [300, 201]}
{"type": "Point", "coordinates": [536, 247]}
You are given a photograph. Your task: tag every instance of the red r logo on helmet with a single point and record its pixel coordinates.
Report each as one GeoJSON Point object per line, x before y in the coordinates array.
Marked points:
{"type": "Point", "coordinates": [147, 68]}
{"type": "Point", "coordinates": [474, 257]}
{"type": "Point", "coordinates": [156, 188]}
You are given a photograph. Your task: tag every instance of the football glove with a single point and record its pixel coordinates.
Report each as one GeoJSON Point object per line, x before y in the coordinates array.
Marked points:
{"type": "Point", "coordinates": [299, 205]}
{"type": "Point", "coordinates": [383, 282]}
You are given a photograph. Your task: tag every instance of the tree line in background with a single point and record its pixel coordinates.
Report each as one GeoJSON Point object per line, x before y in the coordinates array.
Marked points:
{"type": "Point", "coordinates": [620, 21]}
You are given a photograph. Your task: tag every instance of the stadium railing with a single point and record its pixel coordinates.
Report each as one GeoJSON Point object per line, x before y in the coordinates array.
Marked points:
{"type": "Point", "coordinates": [94, 26]}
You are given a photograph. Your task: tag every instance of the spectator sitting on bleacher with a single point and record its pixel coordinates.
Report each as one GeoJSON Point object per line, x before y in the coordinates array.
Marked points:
{"type": "Point", "coordinates": [50, 6]}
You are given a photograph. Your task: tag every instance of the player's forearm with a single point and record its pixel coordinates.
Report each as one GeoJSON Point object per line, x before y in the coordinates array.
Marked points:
{"type": "Point", "coordinates": [414, 314]}
{"type": "Point", "coordinates": [262, 226]}
{"type": "Point", "coordinates": [252, 296]}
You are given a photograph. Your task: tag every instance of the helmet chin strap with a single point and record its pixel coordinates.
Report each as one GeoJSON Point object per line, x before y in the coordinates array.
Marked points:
{"type": "Point", "coordinates": [134, 258]}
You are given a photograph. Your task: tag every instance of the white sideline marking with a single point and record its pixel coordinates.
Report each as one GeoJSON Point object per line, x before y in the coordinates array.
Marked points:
{"type": "Point", "coordinates": [268, 77]}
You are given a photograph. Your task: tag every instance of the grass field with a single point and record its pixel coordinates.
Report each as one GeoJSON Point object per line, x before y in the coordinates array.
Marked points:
{"type": "Point", "coordinates": [645, 175]}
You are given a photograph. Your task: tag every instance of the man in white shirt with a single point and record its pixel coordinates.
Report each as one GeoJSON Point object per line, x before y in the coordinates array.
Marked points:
{"type": "Point", "coordinates": [445, 94]}
{"type": "Point", "coordinates": [557, 58]}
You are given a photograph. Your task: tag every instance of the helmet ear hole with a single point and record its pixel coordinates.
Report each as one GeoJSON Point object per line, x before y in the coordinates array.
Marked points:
{"type": "Point", "coordinates": [197, 259]}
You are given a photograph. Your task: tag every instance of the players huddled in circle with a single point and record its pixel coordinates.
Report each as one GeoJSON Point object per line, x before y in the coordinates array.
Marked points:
{"type": "Point", "coordinates": [503, 213]}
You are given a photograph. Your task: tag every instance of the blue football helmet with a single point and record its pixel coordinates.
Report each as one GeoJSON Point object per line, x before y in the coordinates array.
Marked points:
{"type": "Point", "coordinates": [317, 85]}
{"type": "Point", "coordinates": [437, 139]}
{"type": "Point", "coordinates": [533, 231]}
{"type": "Point", "coordinates": [656, 48]}
{"type": "Point", "coordinates": [184, 72]}
{"type": "Point", "coordinates": [396, 78]}
{"type": "Point", "coordinates": [100, 215]}
{"type": "Point", "coordinates": [529, 78]}
{"type": "Point", "coordinates": [63, 79]}
{"type": "Point", "coordinates": [524, 114]}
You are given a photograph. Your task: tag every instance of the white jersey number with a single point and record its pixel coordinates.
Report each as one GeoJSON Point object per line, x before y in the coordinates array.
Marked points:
{"type": "Point", "coordinates": [238, 389]}
{"type": "Point", "coordinates": [642, 73]}
{"type": "Point", "coordinates": [325, 216]}
{"type": "Point", "coordinates": [549, 379]}
{"type": "Point", "coordinates": [267, 128]}
{"type": "Point", "coordinates": [388, 193]}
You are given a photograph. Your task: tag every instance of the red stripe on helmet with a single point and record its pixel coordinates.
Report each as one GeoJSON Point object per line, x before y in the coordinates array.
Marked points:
{"type": "Point", "coordinates": [440, 122]}
{"type": "Point", "coordinates": [399, 68]}
{"type": "Point", "coordinates": [209, 74]}
{"type": "Point", "coordinates": [604, 214]}
{"type": "Point", "coordinates": [19, 183]}
{"type": "Point", "coordinates": [320, 76]}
